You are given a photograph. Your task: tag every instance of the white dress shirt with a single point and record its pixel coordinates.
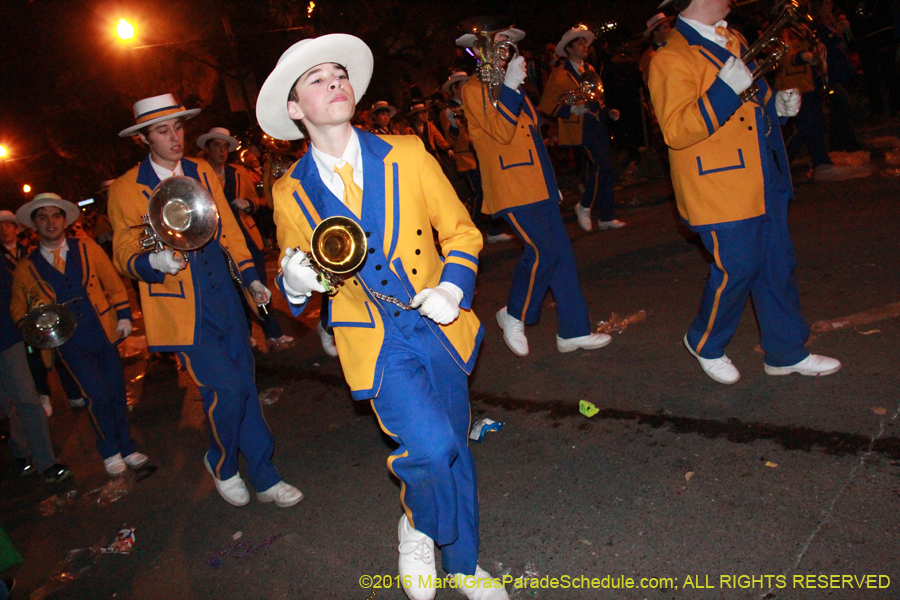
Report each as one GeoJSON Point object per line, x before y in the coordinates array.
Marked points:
{"type": "Point", "coordinates": [327, 163]}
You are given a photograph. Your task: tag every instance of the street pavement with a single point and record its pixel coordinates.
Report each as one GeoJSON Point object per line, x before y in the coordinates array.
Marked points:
{"type": "Point", "coordinates": [770, 488]}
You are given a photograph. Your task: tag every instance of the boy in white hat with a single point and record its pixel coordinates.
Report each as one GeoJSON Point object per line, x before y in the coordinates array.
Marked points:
{"type": "Point", "coordinates": [584, 124]}
{"type": "Point", "coordinates": [192, 307]}
{"type": "Point", "coordinates": [658, 28]}
{"type": "Point", "coordinates": [76, 272]}
{"type": "Point", "coordinates": [239, 187]}
{"type": "Point", "coordinates": [732, 186]}
{"type": "Point", "coordinates": [412, 365]}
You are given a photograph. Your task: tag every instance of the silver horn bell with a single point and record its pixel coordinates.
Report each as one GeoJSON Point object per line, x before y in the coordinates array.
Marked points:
{"type": "Point", "coordinates": [49, 326]}
{"type": "Point", "coordinates": [181, 214]}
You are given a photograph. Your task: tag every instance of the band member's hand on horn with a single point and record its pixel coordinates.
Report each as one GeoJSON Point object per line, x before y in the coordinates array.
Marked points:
{"type": "Point", "coordinates": [261, 294]}
{"type": "Point", "coordinates": [515, 73]}
{"type": "Point", "coordinates": [168, 261]}
{"type": "Point", "coordinates": [124, 328]}
{"type": "Point", "coordinates": [440, 304]}
{"type": "Point", "coordinates": [300, 280]}
{"type": "Point", "coordinates": [787, 103]}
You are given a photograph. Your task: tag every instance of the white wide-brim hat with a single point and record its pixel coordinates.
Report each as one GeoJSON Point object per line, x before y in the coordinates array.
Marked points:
{"type": "Point", "coordinates": [23, 214]}
{"type": "Point", "coordinates": [153, 110]}
{"type": "Point", "coordinates": [417, 108]}
{"type": "Point", "coordinates": [458, 76]}
{"type": "Point", "coordinates": [467, 40]}
{"type": "Point", "coordinates": [654, 22]}
{"type": "Point", "coordinates": [574, 33]}
{"type": "Point", "coordinates": [346, 50]}
{"type": "Point", "coordinates": [382, 105]}
{"type": "Point", "coordinates": [665, 3]}
{"type": "Point", "coordinates": [218, 133]}
{"type": "Point", "coordinates": [6, 215]}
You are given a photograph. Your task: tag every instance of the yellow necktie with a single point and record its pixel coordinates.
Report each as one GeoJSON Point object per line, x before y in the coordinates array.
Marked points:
{"type": "Point", "coordinates": [352, 192]}
{"type": "Point", "coordinates": [733, 44]}
{"type": "Point", "coordinates": [58, 261]}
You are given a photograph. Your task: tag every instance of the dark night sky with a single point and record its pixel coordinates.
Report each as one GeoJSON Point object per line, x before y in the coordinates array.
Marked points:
{"type": "Point", "coordinates": [68, 82]}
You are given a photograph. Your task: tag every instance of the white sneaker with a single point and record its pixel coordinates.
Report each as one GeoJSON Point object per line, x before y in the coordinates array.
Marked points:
{"type": "Point", "coordinates": [827, 173]}
{"type": "Point", "coordinates": [135, 460]}
{"type": "Point", "coordinates": [45, 402]}
{"type": "Point", "coordinates": [416, 563]}
{"type": "Point", "coordinates": [614, 224]}
{"type": "Point", "coordinates": [284, 340]}
{"type": "Point", "coordinates": [592, 341]}
{"type": "Point", "coordinates": [328, 344]}
{"type": "Point", "coordinates": [76, 402]}
{"type": "Point", "coordinates": [584, 216]}
{"type": "Point", "coordinates": [233, 490]}
{"type": "Point", "coordinates": [718, 369]}
{"type": "Point", "coordinates": [115, 466]}
{"type": "Point", "coordinates": [513, 332]}
{"type": "Point", "coordinates": [813, 365]}
{"type": "Point", "coordinates": [500, 237]}
{"type": "Point", "coordinates": [480, 586]}
{"type": "Point", "coordinates": [282, 494]}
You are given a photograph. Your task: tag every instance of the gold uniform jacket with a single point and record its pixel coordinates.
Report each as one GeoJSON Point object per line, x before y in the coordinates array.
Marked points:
{"type": "Point", "coordinates": [716, 142]}
{"type": "Point", "coordinates": [458, 136]}
{"type": "Point", "coordinates": [562, 79]}
{"type": "Point", "coordinates": [171, 303]}
{"type": "Point", "coordinates": [515, 166]}
{"type": "Point", "coordinates": [405, 196]}
{"type": "Point", "coordinates": [99, 278]}
{"type": "Point", "coordinates": [244, 182]}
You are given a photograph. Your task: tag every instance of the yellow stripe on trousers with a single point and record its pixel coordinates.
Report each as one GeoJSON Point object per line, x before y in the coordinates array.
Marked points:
{"type": "Point", "coordinates": [715, 307]}
{"type": "Point", "coordinates": [390, 465]}
{"type": "Point", "coordinates": [209, 415]}
{"type": "Point", "coordinates": [537, 260]}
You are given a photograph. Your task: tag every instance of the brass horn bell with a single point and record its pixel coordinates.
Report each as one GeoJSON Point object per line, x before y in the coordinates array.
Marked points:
{"type": "Point", "coordinates": [181, 214]}
{"type": "Point", "coordinates": [338, 249]}
{"type": "Point", "coordinates": [49, 326]}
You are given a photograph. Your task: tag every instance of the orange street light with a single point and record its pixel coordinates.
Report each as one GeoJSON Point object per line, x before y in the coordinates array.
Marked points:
{"type": "Point", "coordinates": [26, 188]}
{"type": "Point", "coordinates": [125, 30]}
{"type": "Point", "coordinates": [3, 152]}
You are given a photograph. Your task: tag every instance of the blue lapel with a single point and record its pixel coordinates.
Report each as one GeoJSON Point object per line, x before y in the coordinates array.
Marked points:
{"type": "Point", "coordinates": [147, 176]}
{"type": "Point", "coordinates": [695, 39]}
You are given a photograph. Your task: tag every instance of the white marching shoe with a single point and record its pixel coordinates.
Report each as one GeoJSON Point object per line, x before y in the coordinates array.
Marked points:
{"type": "Point", "coordinates": [592, 341]}
{"type": "Point", "coordinates": [416, 564]}
{"type": "Point", "coordinates": [813, 365]}
{"type": "Point", "coordinates": [233, 490]}
{"type": "Point", "coordinates": [583, 213]}
{"type": "Point", "coordinates": [718, 369]}
{"type": "Point", "coordinates": [513, 332]}
{"type": "Point", "coordinates": [480, 586]}
{"type": "Point", "coordinates": [135, 460]}
{"type": "Point", "coordinates": [282, 494]}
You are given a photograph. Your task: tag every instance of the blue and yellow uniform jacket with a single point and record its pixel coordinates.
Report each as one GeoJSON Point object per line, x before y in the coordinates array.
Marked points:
{"type": "Point", "coordinates": [171, 303]}
{"type": "Point", "coordinates": [458, 136]}
{"type": "Point", "coordinates": [515, 167]}
{"type": "Point", "coordinates": [240, 183]}
{"type": "Point", "coordinates": [564, 78]}
{"type": "Point", "coordinates": [103, 286]}
{"type": "Point", "coordinates": [405, 196]}
{"type": "Point", "coordinates": [727, 156]}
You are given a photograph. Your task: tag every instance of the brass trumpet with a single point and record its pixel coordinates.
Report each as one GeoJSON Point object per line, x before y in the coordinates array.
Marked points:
{"type": "Point", "coordinates": [490, 54]}
{"type": "Point", "coordinates": [770, 47]}
{"type": "Point", "coordinates": [181, 214]}
{"type": "Point", "coordinates": [591, 90]}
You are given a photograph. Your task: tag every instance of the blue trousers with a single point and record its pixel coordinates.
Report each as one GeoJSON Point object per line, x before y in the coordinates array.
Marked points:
{"type": "Point", "coordinates": [222, 365]}
{"type": "Point", "coordinates": [754, 259]}
{"type": "Point", "coordinates": [810, 130]}
{"type": "Point", "coordinates": [424, 406]}
{"type": "Point", "coordinates": [95, 365]}
{"type": "Point", "coordinates": [548, 263]}
{"type": "Point", "coordinates": [598, 195]}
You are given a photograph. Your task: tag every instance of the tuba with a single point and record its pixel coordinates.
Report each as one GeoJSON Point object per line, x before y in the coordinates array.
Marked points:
{"type": "Point", "coordinates": [770, 48]}
{"type": "Point", "coordinates": [181, 214]}
{"type": "Point", "coordinates": [490, 54]}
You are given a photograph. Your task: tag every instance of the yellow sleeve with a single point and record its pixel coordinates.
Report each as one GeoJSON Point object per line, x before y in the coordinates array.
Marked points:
{"type": "Point", "coordinates": [500, 124]}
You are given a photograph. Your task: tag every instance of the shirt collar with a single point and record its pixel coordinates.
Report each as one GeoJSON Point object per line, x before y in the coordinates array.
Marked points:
{"type": "Point", "coordinates": [352, 155]}
{"type": "Point", "coordinates": [708, 31]}
{"type": "Point", "coordinates": [164, 173]}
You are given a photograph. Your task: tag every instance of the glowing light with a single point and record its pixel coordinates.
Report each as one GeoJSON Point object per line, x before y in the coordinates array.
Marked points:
{"type": "Point", "coordinates": [26, 188]}
{"type": "Point", "coordinates": [310, 8]}
{"type": "Point", "coordinates": [125, 30]}
{"type": "Point", "coordinates": [2, 151]}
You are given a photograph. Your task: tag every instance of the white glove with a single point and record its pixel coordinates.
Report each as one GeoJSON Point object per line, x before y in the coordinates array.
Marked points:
{"type": "Point", "coordinates": [736, 74]}
{"type": "Point", "coordinates": [168, 261]}
{"type": "Point", "coordinates": [579, 109]}
{"type": "Point", "coordinates": [241, 204]}
{"type": "Point", "coordinates": [451, 118]}
{"type": "Point", "coordinates": [614, 114]}
{"type": "Point", "coordinates": [515, 73]}
{"type": "Point", "coordinates": [299, 278]}
{"type": "Point", "coordinates": [787, 103]}
{"type": "Point", "coordinates": [124, 328]}
{"type": "Point", "coordinates": [440, 304]}
{"type": "Point", "coordinates": [261, 294]}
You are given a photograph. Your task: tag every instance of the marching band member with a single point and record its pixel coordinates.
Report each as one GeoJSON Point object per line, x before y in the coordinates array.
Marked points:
{"type": "Point", "coordinates": [732, 186]}
{"type": "Point", "coordinates": [583, 124]}
{"type": "Point", "coordinates": [192, 307]}
{"type": "Point", "coordinates": [381, 115]}
{"type": "Point", "coordinates": [519, 186]}
{"type": "Point", "coordinates": [425, 129]}
{"type": "Point", "coordinates": [77, 272]}
{"type": "Point", "coordinates": [398, 195]}
{"type": "Point", "coordinates": [238, 185]}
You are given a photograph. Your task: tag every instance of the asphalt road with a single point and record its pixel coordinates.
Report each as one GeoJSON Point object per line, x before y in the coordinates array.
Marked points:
{"type": "Point", "coordinates": [693, 489]}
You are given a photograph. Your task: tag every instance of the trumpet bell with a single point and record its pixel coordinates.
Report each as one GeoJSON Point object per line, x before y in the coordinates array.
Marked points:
{"type": "Point", "coordinates": [339, 245]}
{"type": "Point", "coordinates": [183, 213]}
{"type": "Point", "coordinates": [49, 326]}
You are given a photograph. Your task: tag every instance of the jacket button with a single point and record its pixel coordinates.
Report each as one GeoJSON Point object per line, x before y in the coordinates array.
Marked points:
{"type": "Point", "coordinates": [377, 267]}
{"type": "Point", "coordinates": [750, 129]}
{"type": "Point", "coordinates": [418, 252]}
{"type": "Point", "coordinates": [368, 234]}
{"type": "Point", "coordinates": [355, 282]}
{"type": "Point", "coordinates": [742, 118]}
{"type": "Point", "coordinates": [419, 232]}
{"type": "Point", "coordinates": [396, 313]}
{"type": "Point", "coordinates": [371, 250]}
{"type": "Point", "coordinates": [414, 271]}
{"type": "Point", "coordinates": [384, 282]}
